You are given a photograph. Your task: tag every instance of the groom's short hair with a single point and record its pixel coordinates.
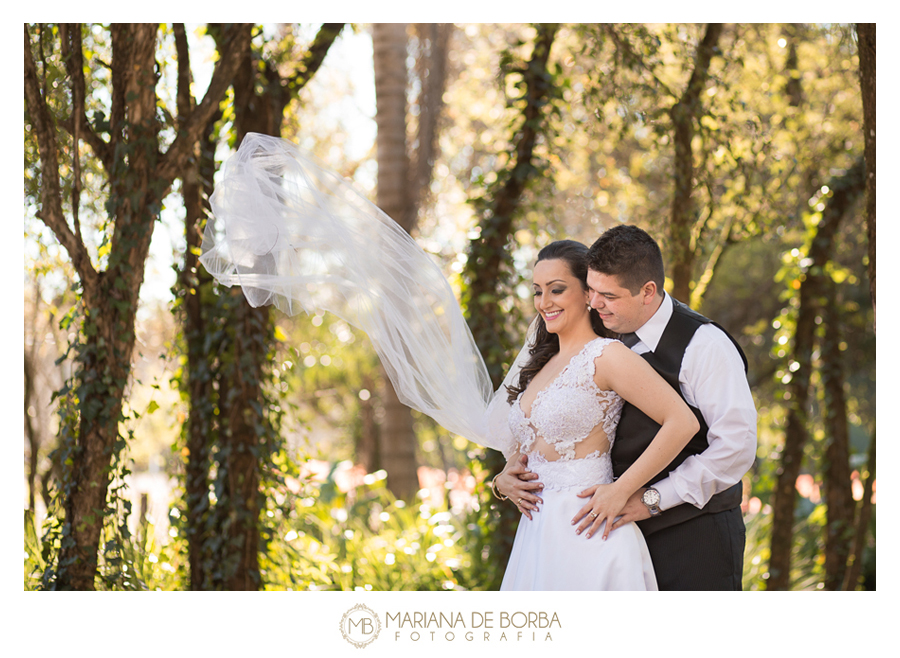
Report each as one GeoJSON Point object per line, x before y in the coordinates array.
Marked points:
{"type": "Point", "coordinates": [631, 255]}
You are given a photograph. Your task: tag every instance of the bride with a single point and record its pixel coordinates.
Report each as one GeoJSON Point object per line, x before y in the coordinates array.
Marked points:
{"type": "Point", "coordinates": [294, 234]}
{"type": "Point", "coordinates": [563, 416]}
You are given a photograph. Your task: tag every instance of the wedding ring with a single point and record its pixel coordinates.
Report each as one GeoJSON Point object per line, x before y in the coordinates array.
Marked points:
{"type": "Point", "coordinates": [593, 515]}
{"type": "Point", "coordinates": [520, 501]}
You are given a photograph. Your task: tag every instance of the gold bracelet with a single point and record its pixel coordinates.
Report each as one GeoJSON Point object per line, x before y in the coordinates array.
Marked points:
{"type": "Point", "coordinates": [497, 494]}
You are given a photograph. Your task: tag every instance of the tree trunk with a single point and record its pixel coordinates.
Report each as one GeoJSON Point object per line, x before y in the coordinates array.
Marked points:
{"type": "Point", "coordinates": [855, 561]}
{"type": "Point", "coordinates": [866, 38]}
{"type": "Point", "coordinates": [431, 71]}
{"type": "Point", "coordinates": [31, 433]}
{"type": "Point", "coordinates": [242, 415]}
{"type": "Point", "coordinates": [367, 439]}
{"type": "Point", "coordinates": [245, 424]}
{"type": "Point", "coordinates": [241, 443]}
{"type": "Point", "coordinates": [792, 87]}
{"type": "Point", "coordinates": [110, 303]}
{"type": "Point", "coordinates": [812, 289]}
{"type": "Point", "coordinates": [837, 482]}
{"type": "Point", "coordinates": [398, 439]}
{"type": "Point", "coordinates": [196, 185]}
{"type": "Point", "coordinates": [866, 35]}
{"type": "Point", "coordinates": [684, 114]}
{"type": "Point", "coordinates": [199, 375]}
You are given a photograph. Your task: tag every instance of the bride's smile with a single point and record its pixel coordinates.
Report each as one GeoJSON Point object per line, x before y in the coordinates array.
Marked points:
{"type": "Point", "coordinates": [551, 315]}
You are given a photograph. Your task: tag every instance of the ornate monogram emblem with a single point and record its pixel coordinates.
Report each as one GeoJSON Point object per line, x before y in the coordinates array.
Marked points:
{"type": "Point", "coordinates": [360, 626]}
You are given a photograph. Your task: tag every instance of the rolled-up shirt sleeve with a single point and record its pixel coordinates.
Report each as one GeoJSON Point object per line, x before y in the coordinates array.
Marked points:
{"type": "Point", "coordinates": [712, 379]}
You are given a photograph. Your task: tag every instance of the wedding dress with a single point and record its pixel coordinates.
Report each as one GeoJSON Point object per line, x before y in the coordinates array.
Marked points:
{"type": "Point", "coordinates": [292, 233]}
{"type": "Point", "coordinates": [547, 553]}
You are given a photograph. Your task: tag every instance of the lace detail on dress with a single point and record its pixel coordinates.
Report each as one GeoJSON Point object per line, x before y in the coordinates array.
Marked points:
{"type": "Point", "coordinates": [569, 408]}
{"type": "Point", "coordinates": [569, 473]}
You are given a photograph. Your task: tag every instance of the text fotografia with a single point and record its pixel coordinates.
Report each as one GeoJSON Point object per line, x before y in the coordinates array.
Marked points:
{"type": "Point", "coordinates": [478, 626]}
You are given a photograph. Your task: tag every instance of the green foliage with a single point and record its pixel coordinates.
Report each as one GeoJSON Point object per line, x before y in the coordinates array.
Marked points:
{"type": "Point", "coordinates": [807, 562]}
{"type": "Point", "coordinates": [365, 539]}
{"type": "Point", "coordinates": [330, 371]}
{"type": "Point", "coordinates": [780, 111]}
{"type": "Point", "coordinates": [808, 554]}
{"type": "Point", "coordinates": [35, 564]}
{"type": "Point", "coordinates": [490, 275]}
{"type": "Point", "coordinates": [80, 404]}
{"type": "Point", "coordinates": [321, 537]}
{"type": "Point", "coordinates": [137, 562]}
{"type": "Point", "coordinates": [45, 567]}
{"type": "Point", "coordinates": [92, 184]}
{"type": "Point", "coordinates": [373, 542]}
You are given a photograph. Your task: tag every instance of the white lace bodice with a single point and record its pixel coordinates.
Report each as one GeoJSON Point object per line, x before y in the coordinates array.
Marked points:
{"type": "Point", "coordinates": [569, 408]}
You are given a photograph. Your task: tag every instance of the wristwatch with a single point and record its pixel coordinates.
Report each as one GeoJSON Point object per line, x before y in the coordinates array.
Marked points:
{"type": "Point", "coordinates": [651, 500]}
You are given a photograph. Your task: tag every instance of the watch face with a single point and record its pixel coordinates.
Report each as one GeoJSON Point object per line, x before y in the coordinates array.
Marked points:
{"type": "Point", "coordinates": [651, 497]}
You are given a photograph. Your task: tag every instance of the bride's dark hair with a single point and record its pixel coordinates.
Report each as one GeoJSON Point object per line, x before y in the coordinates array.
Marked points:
{"type": "Point", "coordinates": [547, 344]}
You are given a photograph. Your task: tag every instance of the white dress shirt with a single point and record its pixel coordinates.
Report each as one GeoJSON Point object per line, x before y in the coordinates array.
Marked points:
{"type": "Point", "coordinates": [712, 379]}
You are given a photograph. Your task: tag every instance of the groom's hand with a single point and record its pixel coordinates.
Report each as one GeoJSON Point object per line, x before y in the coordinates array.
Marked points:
{"type": "Point", "coordinates": [520, 485]}
{"type": "Point", "coordinates": [634, 510]}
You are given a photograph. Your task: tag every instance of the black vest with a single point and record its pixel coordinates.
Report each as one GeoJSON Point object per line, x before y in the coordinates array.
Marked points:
{"type": "Point", "coordinates": [636, 430]}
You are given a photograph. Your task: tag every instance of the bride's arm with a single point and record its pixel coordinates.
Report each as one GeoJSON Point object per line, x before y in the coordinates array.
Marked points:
{"type": "Point", "coordinates": [621, 370]}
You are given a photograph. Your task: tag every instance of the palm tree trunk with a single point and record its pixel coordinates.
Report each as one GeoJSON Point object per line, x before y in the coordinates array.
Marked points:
{"type": "Point", "coordinates": [389, 41]}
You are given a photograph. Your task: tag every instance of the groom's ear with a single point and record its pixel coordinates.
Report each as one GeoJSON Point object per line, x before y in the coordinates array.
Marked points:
{"type": "Point", "coordinates": [648, 292]}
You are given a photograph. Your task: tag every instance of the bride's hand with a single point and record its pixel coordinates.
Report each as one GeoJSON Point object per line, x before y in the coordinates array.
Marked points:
{"type": "Point", "coordinates": [606, 504]}
{"type": "Point", "coordinates": [520, 485]}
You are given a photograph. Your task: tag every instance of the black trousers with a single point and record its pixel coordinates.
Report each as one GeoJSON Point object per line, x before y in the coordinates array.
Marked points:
{"type": "Point", "coordinates": [703, 553]}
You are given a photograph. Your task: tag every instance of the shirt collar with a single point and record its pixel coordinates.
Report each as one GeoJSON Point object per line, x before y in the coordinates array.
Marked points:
{"type": "Point", "coordinates": [652, 330]}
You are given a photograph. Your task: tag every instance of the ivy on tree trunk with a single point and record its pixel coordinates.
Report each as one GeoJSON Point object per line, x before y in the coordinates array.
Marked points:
{"type": "Point", "coordinates": [812, 291]}
{"type": "Point", "coordinates": [684, 115]}
{"type": "Point", "coordinates": [488, 272]}
{"type": "Point", "coordinates": [231, 428]}
{"type": "Point", "coordinates": [139, 175]}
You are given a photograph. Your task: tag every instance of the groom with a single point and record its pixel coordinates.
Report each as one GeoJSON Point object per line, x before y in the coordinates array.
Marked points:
{"type": "Point", "coordinates": [690, 513]}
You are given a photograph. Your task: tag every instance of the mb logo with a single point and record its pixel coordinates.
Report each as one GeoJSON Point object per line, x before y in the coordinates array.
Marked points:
{"type": "Point", "coordinates": [360, 626]}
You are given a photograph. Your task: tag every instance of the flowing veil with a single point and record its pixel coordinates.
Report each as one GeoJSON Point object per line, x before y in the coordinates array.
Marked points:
{"type": "Point", "coordinates": [294, 234]}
